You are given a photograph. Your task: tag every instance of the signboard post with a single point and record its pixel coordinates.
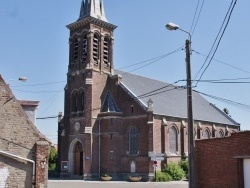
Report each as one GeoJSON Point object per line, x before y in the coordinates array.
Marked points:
{"type": "Point", "coordinates": [155, 165]}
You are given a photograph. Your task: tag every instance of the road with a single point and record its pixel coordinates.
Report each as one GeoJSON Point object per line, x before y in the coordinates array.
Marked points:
{"type": "Point", "coordinates": [116, 184]}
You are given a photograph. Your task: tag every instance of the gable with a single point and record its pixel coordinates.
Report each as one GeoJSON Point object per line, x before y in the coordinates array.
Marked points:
{"type": "Point", "coordinates": [15, 126]}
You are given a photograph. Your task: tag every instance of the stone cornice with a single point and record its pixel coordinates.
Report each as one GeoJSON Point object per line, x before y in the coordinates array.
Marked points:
{"type": "Point", "coordinates": [98, 22]}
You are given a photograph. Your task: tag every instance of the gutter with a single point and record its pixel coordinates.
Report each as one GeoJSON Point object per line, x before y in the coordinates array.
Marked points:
{"type": "Point", "coordinates": [25, 159]}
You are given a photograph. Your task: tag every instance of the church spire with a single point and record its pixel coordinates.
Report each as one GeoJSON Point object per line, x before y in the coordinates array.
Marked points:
{"type": "Point", "coordinates": [92, 8]}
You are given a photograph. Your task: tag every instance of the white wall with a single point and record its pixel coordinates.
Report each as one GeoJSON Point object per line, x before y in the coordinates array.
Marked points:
{"type": "Point", "coordinates": [246, 166]}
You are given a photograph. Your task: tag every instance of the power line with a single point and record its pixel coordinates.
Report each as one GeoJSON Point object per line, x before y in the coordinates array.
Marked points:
{"type": "Point", "coordinates": [41, 84]}
{"type": "Point", "coordinates": [37, 91]}
{"type": "Point", "coordinates": [148, 94]}
{"type": "Point", "coordinates": [193, 26]}
{"type": "Point", "coordinates": [236, 104]}
{"type": "Point", "coordinates": [199, 53]}
{"type": "Point", "coordinates": [155, 60]}
{"type": "Point", "coordinates": [228, 16]}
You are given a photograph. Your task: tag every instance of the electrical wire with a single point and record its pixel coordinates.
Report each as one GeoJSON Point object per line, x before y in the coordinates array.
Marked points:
{"type": "Point", "coordinates": [41, 84]}
{"type": "Point", "coordinates": [148, 94]}
{"type": "Point", "coordinates": [227, 17]}
{"type": "Point", "coordinates": [37, 91]}
{"type": "Point", "coordinates": [236, 104]}
{"type": "Point", "coordinates": [199, 53]}
{"type": "Point", "coordinates": [193, 26]}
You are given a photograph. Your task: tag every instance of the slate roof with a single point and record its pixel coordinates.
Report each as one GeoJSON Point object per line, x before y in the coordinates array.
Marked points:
{"type": "Point", "coordinates": [171, 100]}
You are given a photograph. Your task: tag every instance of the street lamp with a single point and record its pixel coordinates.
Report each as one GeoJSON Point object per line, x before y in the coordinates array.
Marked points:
{"type": "Point", "coordinates": [23, 79]}
{"type": "Point", "coordinates": [191, 178]}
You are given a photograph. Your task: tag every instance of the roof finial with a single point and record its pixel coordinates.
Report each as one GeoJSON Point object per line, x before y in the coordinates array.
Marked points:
{"type": "Point", "coordinates": [93, 8]}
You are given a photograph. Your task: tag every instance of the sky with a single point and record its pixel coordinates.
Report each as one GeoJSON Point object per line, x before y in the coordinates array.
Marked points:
{"type": "Point", "coordinates": [34, 44]}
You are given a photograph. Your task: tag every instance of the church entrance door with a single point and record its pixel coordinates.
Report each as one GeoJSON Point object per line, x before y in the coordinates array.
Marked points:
{"type": "Point", "coordinates": [78, 153]}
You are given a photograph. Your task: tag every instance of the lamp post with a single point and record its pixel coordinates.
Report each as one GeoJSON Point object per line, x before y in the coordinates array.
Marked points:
{"type": "Point", "coordinates": [191, 178]}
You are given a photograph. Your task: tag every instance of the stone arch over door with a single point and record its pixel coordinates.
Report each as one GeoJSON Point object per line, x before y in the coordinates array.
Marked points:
{"type": "Point", "coordinates": [76, 157]}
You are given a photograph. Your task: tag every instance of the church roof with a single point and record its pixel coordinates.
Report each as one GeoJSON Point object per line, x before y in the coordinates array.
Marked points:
{"type": "Point", "coordinates": [92, 8]}
{"type": "Point", "coordinates": [171, 100]}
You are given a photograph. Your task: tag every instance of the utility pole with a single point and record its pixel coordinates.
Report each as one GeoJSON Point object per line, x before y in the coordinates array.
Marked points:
{"type": "Point", "coordinates": [191, 168]}
{"type": "Point", "coordinates": [191, 157]}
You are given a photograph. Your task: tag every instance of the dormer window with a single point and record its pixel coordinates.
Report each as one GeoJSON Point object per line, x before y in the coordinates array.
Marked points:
{"type": "Point", "coordinates": [106, 51]}
{"type": "Point", "coordinates": [96, 48]}
{"type": "Point", "coordinates": [85, 48]}
{"type": "Point", "coordinates": [75, 50]}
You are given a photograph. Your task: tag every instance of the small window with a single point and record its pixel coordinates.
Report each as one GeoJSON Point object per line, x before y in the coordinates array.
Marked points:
{"type": "Point", "coordinates": [132, 109]}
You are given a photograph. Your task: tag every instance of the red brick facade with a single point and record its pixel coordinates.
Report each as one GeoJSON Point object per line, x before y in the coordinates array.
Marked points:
{"type": "Point", "coordinates": [113, 132]}
{"type": "Point", "coordinates": [218, 162]}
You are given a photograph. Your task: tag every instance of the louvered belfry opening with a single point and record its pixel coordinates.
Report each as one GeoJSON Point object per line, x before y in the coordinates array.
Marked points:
{"type": "Point", "coordinates": [85, 48]}
{"type": "Point", "coordinates": [75, 50]}
{"type": "Point", "coordinates": [106, 51]}
{"type": "Point", "coordinates": [96, 48]}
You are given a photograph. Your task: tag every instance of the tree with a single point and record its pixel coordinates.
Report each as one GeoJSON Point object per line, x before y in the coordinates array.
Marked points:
{"type": "Point", "coordinates": [52, 158]}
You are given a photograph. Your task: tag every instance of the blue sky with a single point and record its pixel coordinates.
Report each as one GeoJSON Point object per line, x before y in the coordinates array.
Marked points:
{"type": "Point", "coordinates": [34, 44]}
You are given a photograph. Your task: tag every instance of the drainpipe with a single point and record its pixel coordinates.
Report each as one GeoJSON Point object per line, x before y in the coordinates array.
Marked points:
{"type": "Point", "coordinates": [25, 159]}
{"type": "Point", "coordinates": [99, 127]}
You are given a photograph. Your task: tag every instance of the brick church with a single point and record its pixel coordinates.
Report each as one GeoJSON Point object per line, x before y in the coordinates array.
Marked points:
{"type": "Point", "coordinates": [115, 121]}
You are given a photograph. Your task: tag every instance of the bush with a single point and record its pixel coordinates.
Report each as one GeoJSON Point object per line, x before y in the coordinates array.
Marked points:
{"type": "Point", "coordinates": [52, 159]}
{"type": "Point", "coordinates": [163, 176]}
{"type": "Point", "coordinates": [174, 170]}
{"type": "Point", "coordinates": [184, 165]}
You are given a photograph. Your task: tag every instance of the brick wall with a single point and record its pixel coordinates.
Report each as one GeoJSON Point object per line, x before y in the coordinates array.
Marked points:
{"type": "Point", "coordinates": [215, 162]}
{"type": "Point", "coordinates": [18, 137]}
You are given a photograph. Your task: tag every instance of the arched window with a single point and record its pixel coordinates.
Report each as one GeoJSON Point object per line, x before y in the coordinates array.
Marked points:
{"type": "Point", "coordinates": [85, 49]}
{"type": "Point", "coordinates": [74, 101]}
{"type": "Point", "coordinates": [96, 48]}
{"type": "Point", "coordinates": [206, 134]}
{"type": "Point", "coordinates": [173, 140]}
{"type": "Point", "coordinates": [106, 51]}
{"type": "Point", "coordinates": [81, 101]}
{"type": "Point", "coordinates": [220, 134]}
{"type": "Point", "coordinates": [75, 52]}
{"type": "Point", "coordinates": [133, 140]}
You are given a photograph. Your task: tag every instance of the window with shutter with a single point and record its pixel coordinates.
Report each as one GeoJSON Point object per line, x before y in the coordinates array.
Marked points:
{"type": "Point", "coordinates": [85, 49]}
{"type": "Point", "coordinates": [96, 48]}
{"type": "Point", "coordinates": [106, 51]}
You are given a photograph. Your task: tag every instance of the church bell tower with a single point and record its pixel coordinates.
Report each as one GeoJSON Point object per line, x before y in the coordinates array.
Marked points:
{"type": "Point", "coordinates": [90, 64]}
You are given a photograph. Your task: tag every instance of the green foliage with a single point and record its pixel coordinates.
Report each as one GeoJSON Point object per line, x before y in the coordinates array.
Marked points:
{"type": "Point", "coordinates": [174, 170]}
{"type": "Point", "coordinates": [184, 165]}
{"type": "Point", "coordinates": [52, 159]}
{"type": "Point", "coordinates": [163, 176]}
{"type": "Point", "coordinates": [105, 175]}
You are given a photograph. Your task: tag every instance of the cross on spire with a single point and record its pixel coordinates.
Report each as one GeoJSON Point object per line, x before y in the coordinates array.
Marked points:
{"type": "Point", "coordinates": [92, 8]}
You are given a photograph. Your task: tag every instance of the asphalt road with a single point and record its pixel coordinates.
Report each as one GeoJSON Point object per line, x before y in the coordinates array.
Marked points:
{"type": "Point", "coordinates": [116, 184]}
